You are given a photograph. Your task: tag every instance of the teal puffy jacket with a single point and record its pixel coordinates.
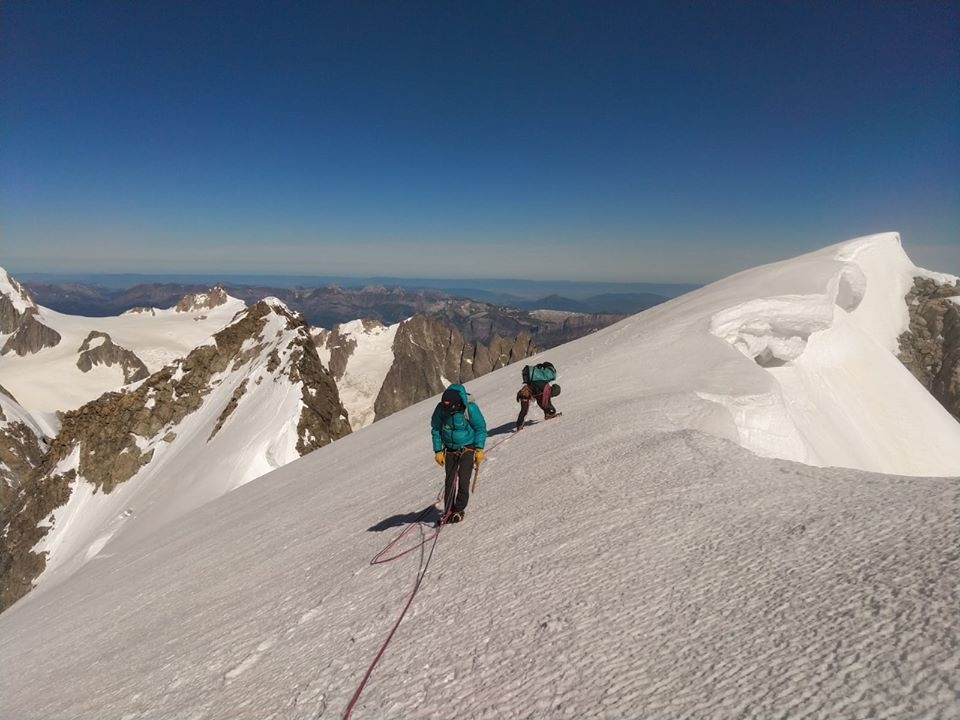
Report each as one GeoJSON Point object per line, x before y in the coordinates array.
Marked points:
{"type": "Point", "coordinates": [455, 430]}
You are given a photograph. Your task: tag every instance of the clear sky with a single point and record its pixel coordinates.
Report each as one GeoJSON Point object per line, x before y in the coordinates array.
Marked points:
{"type": "Point", "coordinates": [634, 141]}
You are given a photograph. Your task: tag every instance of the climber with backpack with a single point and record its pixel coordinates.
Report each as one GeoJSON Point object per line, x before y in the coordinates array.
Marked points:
{"type": "Point", "coordinates": [538, 385]}
{"type": "Point", "coordinates": [459, 433]}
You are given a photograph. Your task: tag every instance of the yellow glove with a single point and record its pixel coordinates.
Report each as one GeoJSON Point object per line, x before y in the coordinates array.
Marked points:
{"type": "Point", "coordinates": [438, 456]}
{"type": "Point", "coordinates": [477, 457]}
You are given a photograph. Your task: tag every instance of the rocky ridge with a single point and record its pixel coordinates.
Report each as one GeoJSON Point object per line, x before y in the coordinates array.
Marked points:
{"type": "Point", "coordinates": [930, 348]}
{"type": "Point", "coordinates": [109, 440]}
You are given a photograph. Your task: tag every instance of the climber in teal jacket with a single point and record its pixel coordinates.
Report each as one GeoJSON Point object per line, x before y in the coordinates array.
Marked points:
{"type": "Point", "coordinates": [459, 433]}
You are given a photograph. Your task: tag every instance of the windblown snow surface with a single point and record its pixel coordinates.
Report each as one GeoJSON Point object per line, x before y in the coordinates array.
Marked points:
{"type": "Point", "coordinates": [631, 559]}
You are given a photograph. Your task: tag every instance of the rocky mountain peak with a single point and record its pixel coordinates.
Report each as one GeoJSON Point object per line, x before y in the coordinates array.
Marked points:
{"type": "Point", "coordinates": [214, 297]}
{"type": "Point", "coordinates": [18, 319]}
{"type": "Point", "coordinates": [15, 301]}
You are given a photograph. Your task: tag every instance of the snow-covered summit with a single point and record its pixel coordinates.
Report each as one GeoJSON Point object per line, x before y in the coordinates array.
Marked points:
{"type": "Point", "coordinates": [797, 360]}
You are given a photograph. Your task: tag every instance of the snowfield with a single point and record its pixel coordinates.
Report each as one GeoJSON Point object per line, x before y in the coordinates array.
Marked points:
{"type": "Point", "coordinates": [749, 508]}
{"type": "Point", "coordinates": [157, 337]}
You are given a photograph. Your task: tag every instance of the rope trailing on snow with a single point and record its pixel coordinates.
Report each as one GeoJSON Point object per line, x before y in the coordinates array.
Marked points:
{"type": "Point", "coordinates": [421, 573]}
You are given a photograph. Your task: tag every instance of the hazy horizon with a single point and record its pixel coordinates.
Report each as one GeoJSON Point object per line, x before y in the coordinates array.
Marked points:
{"type": "Point", "coordinates": [519, 287]}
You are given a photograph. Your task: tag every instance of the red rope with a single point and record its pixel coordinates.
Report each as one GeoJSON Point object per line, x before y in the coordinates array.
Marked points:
{"type": "Point", "coordinates": [416, 586]}
{"type": "Point", "coordinates": [379, 557]}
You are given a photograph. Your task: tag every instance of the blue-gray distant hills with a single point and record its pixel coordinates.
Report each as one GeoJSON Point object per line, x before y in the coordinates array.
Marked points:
{"type": "Point", "coordinates": [480, 314]}
{"type": "Point", "coordinates": [493, 307]}
{"type": "Point", "coordinates": [504, 290]}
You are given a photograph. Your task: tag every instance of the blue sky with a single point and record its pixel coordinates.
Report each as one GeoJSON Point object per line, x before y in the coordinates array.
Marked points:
{"type": "Point", "coordinates": [548, 140]}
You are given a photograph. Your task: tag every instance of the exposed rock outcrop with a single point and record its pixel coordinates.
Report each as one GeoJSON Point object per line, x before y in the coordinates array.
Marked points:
{"type": "Point", "coordinates": [215, 297]}
{"type": "Point", "coordinates": [18, 319]}
{"type": "Point", "coordinates": [427, 354]}
{"type": "Point", "coordinates": [22, 530]}
{"type": "Point", "coordinates": [14, 302]}
{"type": "Point", "coordinates": [21, 447]}
{"type": "Point", "coordinates": [107, 353]}
{"type": "Point", "coordinates": [31, 336]}
{"type": "Point", "coordinates": [21, 450]}
{"type": "Point", "coordinates": [930, 348]}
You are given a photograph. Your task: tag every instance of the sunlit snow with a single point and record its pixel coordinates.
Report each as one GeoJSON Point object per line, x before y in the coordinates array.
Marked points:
{"type": "Point", "coordinates": [157, 338]}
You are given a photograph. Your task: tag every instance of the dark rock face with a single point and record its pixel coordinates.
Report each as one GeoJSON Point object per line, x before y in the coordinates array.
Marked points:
{"type": "Point", "coordinates": [21, 449]}
{"type": "Point", "coordinates": [34, 500]}
{"type": "Point", "coordinates": [930, 348]}
{"type": "Point", "coordinates": [23, 498]}
{"type": "Point", "coordinates": [106, 353]}
{"type": "Point", "coordinates": [31, 336]}
{"type": "Point", "coordinates": [427, 352]}
{"type": "Point", "coordinates": [105, 432]}
{"type": "Point", "coordinates": [18, 319]}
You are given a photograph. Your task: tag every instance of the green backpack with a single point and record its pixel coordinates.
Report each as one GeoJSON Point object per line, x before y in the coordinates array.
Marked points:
{"type": "Point", "coordinates": [540, 373]}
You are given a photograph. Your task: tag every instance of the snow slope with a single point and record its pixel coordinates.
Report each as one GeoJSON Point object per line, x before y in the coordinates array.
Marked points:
{"type": "Point", "coordinates": [366, 367]}
{"type": "Point", "coordinates": [614, 563]}
{"type": "Point", "coordinates": [825, 387]}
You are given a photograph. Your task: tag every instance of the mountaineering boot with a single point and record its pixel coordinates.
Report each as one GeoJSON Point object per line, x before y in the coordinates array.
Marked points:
{"type": "Point", "coordinates": [456, 516]}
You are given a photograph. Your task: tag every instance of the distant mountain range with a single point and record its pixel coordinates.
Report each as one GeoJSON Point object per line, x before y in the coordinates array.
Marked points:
{"type": "Point", "coordinates": [480, 316]}
{"type": "Point", "coordinates": [495, 290]}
